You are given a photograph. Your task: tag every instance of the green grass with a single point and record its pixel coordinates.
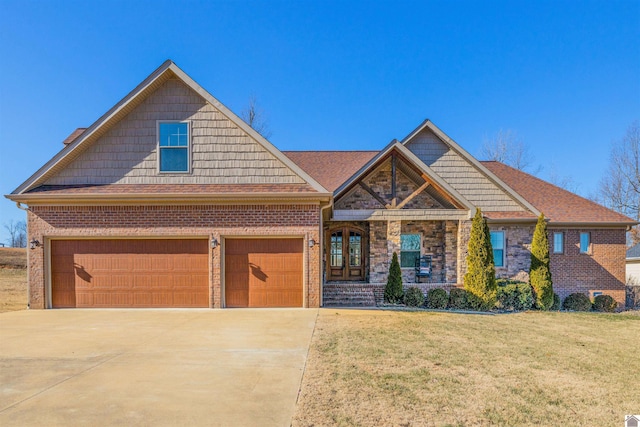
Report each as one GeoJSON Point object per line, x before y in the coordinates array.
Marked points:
{"type": "Point", "coordinates": [369, 368]}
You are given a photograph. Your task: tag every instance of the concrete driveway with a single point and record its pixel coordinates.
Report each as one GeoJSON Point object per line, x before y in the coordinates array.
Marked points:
{"type": "Point", "coordinates": [152, 367]}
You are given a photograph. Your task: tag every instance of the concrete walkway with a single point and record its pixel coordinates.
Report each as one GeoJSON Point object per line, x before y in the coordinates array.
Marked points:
{"type": "Point", "coordinates": [152, 367]}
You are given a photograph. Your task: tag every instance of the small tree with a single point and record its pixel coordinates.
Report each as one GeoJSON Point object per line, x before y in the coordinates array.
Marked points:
{"type": "Point", "coordinates": [17, 233]}
{"type": "Point", "coordinates": [480, 280]}
{"type": "Point", "coordinates": [393, 291]}
{"type": "Point", "coordinates": [540, 273]}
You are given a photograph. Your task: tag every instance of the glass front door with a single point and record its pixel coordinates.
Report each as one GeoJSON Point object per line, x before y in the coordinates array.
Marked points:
{"type": "Point", "coordinates": [346, 254]}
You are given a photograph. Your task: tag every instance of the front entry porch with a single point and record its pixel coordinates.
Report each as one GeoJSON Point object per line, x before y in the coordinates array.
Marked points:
{"type": "Point", "coordinates": [363, 294]}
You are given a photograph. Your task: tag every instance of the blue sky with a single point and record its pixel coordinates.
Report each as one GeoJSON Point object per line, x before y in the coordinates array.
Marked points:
{"type": "Point", "coordinates": [565, 76]}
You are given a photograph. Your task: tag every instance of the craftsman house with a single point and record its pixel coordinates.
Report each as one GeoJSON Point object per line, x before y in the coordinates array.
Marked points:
{"type": "Point", "coordinates": [170, 200]}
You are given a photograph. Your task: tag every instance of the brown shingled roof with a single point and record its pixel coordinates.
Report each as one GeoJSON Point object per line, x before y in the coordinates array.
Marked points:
{"type": "Point", "coordinates": [557, 204]}
{"type": "Point", "coordinates": [74, 135]}
{"type": "Point", "coordinates": [330, 168]}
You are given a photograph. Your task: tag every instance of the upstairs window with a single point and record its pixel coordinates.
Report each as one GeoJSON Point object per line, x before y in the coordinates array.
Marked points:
{"type": "Point", "coordinates": [585, 241]}
{"type": "Point", "coordinates": [409, 249]}
{"type": "Point", "coordinates": [497, 242]}
{"type": "Point", "coordinates": [173, 146]}
{"type": "Point", "coordinates": [558, 243]}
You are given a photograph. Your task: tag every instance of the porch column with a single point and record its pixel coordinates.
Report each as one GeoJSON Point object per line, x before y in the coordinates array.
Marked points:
{"type": "Point", "coordinates": [393, 237]}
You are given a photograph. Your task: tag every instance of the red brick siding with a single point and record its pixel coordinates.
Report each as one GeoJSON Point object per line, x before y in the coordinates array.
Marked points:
{"type": "Point", "coordinates": [209, 221]}
{"type": "Point", "coordinates": [600, 270]}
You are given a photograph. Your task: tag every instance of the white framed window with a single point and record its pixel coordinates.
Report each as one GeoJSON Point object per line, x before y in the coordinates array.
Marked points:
{"type": "Point", "coordinates": [409, 250]}
{"type": "Point", "coordinates": [497, 242]}
{"type": "Point", "coordinates": [585, 242]}
{"type": "Point", "coordinates": [174, 147]}
{"type": "Point", "coordinates": [558, 242]}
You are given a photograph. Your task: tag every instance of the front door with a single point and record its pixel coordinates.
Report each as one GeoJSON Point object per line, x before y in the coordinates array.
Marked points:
{"type": "Point", "coordinates": [346, 254]}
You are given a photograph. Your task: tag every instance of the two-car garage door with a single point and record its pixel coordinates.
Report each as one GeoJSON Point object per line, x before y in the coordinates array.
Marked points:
{"type": "Point", "coordinates": [174, 273]}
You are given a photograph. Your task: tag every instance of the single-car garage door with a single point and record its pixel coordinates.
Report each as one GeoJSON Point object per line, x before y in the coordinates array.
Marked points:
{"type": "Point", "coordinates": [130, 273]}
{"type": "Point", "coordinates": [263, 272]}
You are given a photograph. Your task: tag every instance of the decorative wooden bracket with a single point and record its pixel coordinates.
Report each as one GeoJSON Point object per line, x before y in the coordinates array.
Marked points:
{"type": "Point", "coordinates": [374, 194]}
{"type": "Point", "coordinates": [412, 195]}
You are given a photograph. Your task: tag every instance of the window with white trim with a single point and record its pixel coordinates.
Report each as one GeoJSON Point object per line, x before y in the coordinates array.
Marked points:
{"type": "Point", "coordinates": [497, 243]}
{"type": "Point", "coordinates": [558, 242]}
{"type": "Point", "coordinates": [585, 242]}
{"type": "Point", "coordinates": [173, 147]}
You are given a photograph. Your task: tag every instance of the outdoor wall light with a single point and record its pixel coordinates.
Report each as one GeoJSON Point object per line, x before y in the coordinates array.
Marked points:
{"type": "Point", "coordinates": [214, 243]}
{"type": "Point", "coordinates": [34, 244]}
{"type": "Point", "coordinates": [312, 243]}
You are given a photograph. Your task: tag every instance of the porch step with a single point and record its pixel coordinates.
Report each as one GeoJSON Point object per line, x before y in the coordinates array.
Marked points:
{"type": "Point", "coordinates": [349, 295]}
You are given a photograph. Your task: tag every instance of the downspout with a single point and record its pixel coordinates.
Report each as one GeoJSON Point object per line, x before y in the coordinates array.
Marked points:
{"type": "Point", "coordinates": [321, 256]}
{"type": "Point", "coordinates": [19, 205]}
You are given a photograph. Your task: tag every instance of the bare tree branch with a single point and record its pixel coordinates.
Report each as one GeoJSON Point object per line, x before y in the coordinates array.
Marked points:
{"type": "Point", "coordinates": [17, 233]}
{"type": "Point", "coordinates": [506, 147]}
{"type": "Point", "coordinates": [254, 116]}
{"type": "Point", "coordinates": [620, 187]}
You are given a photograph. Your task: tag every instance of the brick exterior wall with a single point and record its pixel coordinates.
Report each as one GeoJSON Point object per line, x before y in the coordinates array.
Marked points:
{"type": "Point", "coordinates": [602, 269]}
{"type": "Point", "coordinates": [209, 221]}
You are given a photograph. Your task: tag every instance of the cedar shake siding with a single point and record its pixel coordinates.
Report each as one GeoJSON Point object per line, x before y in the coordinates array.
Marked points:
{"type": "Point", "coordinates": [221, 152]}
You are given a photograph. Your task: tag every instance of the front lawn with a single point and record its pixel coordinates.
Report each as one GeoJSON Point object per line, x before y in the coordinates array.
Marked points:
{"type": "Point", "coordinates": [379, 368]}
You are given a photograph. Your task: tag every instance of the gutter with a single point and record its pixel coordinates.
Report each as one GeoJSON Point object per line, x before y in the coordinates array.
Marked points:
{"type": "Point", "coordinates": [322, 208]}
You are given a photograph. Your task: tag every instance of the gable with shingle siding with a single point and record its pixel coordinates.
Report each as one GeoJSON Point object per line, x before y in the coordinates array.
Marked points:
{"type": "Point", "coordinates": [460, 174]}
{"type": "Point", "coordinates": [222, 153]}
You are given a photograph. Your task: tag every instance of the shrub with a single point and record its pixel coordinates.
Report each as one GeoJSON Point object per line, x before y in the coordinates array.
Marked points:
{"type": "Point", "coordinates": [437, 298]}
{"type": "Point", "coordinates": [539, 272]}
{"type": "Point", "coordinates": [480, 280]}
{"type": "Point", "coordinates": [457, 299]}
{"type": "Point", "coordinates": [556, 302]}
{"type": "Point", "coordinates": [393, 292]}
{"type": "Point", "coordinates": [577, 302]}
{"type": "Point", "coordinates": [414, 297]}
{"type": "Point", "coordinates": [605, 303]}
{"type": "Point", "coordinates": [515, 297]}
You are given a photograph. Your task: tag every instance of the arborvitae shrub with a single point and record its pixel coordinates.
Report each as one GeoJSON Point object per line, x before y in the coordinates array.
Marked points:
{"type": "Point", "coordinates": [514, 296]}
{"type": "Point", "coordinates": [577, 302]}
{"type": "Point", "coordinates": [605, 303]}
{"type": "Point", "coordinates": [437, 298]}
{"type": "Point", "coordinates": [457, 299]}
{"type": "Point", "coordinates": [540, 272]}
{"type": "Point", "coordinates": [414, 297]}
{"type": "Point", "coordinates": [556, 302]}
{"type": "Point", "coordinates": [480, 280]}
{"type": "Point", "coordinates": [393, 292]}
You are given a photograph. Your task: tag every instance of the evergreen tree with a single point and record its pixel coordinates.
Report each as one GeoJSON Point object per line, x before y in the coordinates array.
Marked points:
{"type": "Point", "coordinates": [540, 272]}
{"type": "Point", "coordinates": [393, 292]}
{"type": "Point", "coordinates": [480, 280]}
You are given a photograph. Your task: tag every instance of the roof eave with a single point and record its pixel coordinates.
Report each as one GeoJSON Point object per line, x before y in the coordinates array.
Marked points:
{"type": "Point", "coordinates": [592, 224]}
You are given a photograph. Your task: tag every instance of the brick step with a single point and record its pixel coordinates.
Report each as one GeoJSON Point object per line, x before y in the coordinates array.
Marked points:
{"type": "Point", "coordinates": [349, 295]}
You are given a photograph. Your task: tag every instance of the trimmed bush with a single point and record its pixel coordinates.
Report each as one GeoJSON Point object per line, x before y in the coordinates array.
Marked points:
{"type": "Point", "coordinates": [515, 297]}
{"type": "Point", "coordinates": [577, 302]}
{"type": "Point", "coordinates": [414, 297]}
{"type": "Point", "coordinates": [393, 292]}
{"type": "Point", "coordinates": [556, 302]}
{"type": "Point", "coordinates": [480, 280]}
{"type": "Point", "coordinates": [457, 299]}
{"type": "Point", "coordinates": [605, 303]}
{"type": "Point", "coordinates": [540, 273]}
{"type": "Point", "coordinates": [437, 298]}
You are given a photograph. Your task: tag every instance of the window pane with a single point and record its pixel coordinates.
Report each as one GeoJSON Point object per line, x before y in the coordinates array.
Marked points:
{"type": "Point", "coordinates": [174, 160]}
{"type": "Point", "coordinates": [497, 239]}
{"type": "Point", "coordinates": [408, 258]}
{"type": "Point", "coordinates": [174, 134]}
{"type": "Point", "coordinates": [336, 249]}
{"type": "Point", "coordinates": [410, 242]}
{"type": "Point", "coordinates": [498, 257]}
{"type": "Point", "coordinates": [558, 243]}
{"type": "Point", "coordinates": [584, 242]}
{"type": "Point", "coordinates": [354, 249]}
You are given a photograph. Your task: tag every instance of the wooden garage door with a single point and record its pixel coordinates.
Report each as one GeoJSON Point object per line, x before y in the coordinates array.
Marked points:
{"type": "Point", "coordinates": [129, 273]}
{"type": "Point", "coordinates": [263, 272]}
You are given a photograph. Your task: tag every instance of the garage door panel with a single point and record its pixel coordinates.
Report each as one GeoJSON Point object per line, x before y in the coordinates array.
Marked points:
{"type": "Point", "coordinates": [130, 273]}
{"type": "Point", "coordinates": [263, 272]}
